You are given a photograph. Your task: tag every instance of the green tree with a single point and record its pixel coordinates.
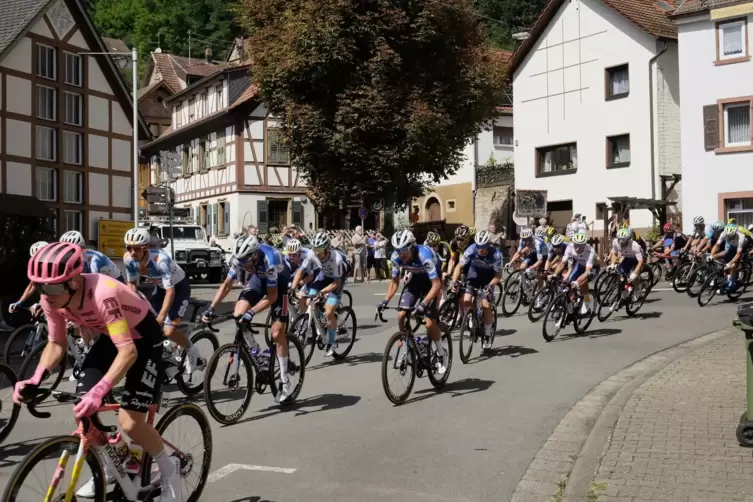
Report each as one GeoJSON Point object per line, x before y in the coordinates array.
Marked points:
{"type": "Point", "coordinates": [501, 18]}
{"type": "Point", "coordinates": [374, 96]}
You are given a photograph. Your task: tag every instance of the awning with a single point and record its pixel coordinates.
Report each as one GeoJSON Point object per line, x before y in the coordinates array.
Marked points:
{"type": "Point", "coordinates": [24, 205]}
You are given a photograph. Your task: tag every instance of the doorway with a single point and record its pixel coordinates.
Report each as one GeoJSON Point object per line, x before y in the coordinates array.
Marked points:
{"type": "Point", "coordinates": [278, 214]}
{"type": "Point", "coordinates": [433, 209]}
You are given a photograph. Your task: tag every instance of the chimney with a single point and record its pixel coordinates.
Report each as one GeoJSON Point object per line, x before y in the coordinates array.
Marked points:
{"type": "Point", "coordinates": [208, 54]}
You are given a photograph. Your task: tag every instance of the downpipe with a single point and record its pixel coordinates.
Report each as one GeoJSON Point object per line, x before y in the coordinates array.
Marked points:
{"type": "Point", "coordinates": [651, 119]}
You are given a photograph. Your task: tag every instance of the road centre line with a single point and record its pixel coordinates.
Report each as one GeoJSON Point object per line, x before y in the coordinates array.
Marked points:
{"type": "Point", "coordinates": [231, 468]}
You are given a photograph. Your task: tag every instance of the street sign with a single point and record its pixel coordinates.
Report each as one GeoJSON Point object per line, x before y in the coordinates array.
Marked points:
{"type": "Point", "coordinates": [363, 213]}
{"type": "Point", "coordinates": [377, 206]}
{"type": "Point", "coordinates": [158, 195]}
{"type": "Point", "coordinates": [110, 236]}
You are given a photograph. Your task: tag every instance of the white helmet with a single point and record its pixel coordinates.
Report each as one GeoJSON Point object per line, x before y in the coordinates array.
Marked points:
{"type": "Point", "coordinates": [293, 246]}
{"type": "Point", "coordinates": [540, 232]}
{"type": "Point", "coordinates": [482, 238]}
{"type": "Point", "coordinates": [580, 238]}
{"type": "Point", "coordinates": [73, 237]}
{"type": "Point", "coordinates": [402, 239]}
{"type": "Point", "coordinates": [526, 233]}
{"type": "Point", "coordinates": [557, 240]}
{"type": "Point", "coordinates": [698, 220]}
{"type": "Point", "coordinates": [245, 246]}
{"type": "Point", "coordinates": [137, 237]}
{"type": "Point", "coordinates": [36, 247]}
{"type": "Point", "coordinates": [321, 241]}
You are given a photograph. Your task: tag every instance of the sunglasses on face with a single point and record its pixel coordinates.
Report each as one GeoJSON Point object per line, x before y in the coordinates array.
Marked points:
{"type": "Point", "coordinates": [131, 249]}
{"type": "Point", "coordinates": [319, 250]}
{"type": "Point", "coordinates": [51, 289]}
{"type": "Point", "coordinates": [403, 250]}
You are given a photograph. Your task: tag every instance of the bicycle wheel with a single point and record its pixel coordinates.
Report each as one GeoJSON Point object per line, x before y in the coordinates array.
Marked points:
{"type": "Point", "coordinates": [346, 299]}
{"type": "Point", "coordinates": [448, 311]}
{"type": "Point", "coordinates": [513, 294]}
{"type": "Point", "coordinates": [657, 270]}
{"type": "Point", "coordinates": [203, 340]}
{"type": "Point", "coordinates": [633, 305]}
{"type": "Point", "coordinates": [609, 303]}
{"type": "Point", "coordinates": [301, 329]}
{"type": "Point", "coordinates": [19, 344]}
{"type": "Point", "coordinates": [555, 312]}
{"type": "Point", "coordinates": [400, 355]}
{"type": "Point", "coordinates": [8, 409]}
{"type": "Point", "coordinates": [680, 280]}
{"type": "Point", "coordinates": [230, 385]}
{"type": "Point", "coordinates": [346, 335]}
{"type": "Point", "coordinates": [743, 275]}
{"type": "Point", "coordinates": [603, 274]}
{"type": "Point", "coordinates": [537, 308]}
{"type": "Point", "coordinates": [696, 280]}
{"type": "Point", "coordinates": [581, 322]}
{"type": "Point", "coordinates": [189, 464]}
{"type": "Point", "coordinates": [440, 381]}
{"type": "Point", "coordinates": [268, 330]}
{"type": "Point", "coordinates": [54, 447]}
{"type": "Point", "coordinates": [499, 294]}
{"type": "Point", "coordinates": [710, 288]}
{"type": "Point", "coordinates": [606, 284]}
{"type": "Point", "coordinates": [30, 365]}
{"type": "Point", "coordinates": [296, 369]}
{"type": "Point", "coordinates": [467, 337]}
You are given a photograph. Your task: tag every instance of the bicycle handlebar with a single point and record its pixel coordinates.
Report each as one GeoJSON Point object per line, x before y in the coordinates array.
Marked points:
{"type": "Point", "coordinates": [64, 397]}
{"type": "Point", "coordinates": [380, 312]}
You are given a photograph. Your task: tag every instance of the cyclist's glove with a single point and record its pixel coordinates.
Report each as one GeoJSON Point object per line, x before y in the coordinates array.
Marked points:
{"type": "Point", "coordinates": [208, 314]}
{"type": "Point", "coordinates": [25, 389]}
{"type": "Point", "coordinates": [248, 316]}
{"type": "Point", "coordinates": [420, 310]}
{"type": "Point", "coordinates": [382, 306]}
{"type": "Point", "coordinates": [13, 306]}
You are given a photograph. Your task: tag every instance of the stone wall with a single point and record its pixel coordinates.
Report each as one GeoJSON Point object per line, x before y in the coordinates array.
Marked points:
{"type": "Point", "coordinates": [493, 205]}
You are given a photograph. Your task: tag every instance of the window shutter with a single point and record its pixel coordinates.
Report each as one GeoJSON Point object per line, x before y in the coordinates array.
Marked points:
{"type": "Point", "coordinates": [262, 209]}
{"type": "Point", "coordinates": [214, 219]}
{"type": "Point", "coordinates": [298, 214]}
{"type": "Point", "coordinates": [226, 219]}
{"type": "Point", "coordinates": [710, 127]}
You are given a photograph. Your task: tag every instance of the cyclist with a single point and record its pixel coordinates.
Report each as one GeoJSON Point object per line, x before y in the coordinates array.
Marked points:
{"type": "Point", "coordinates": [432, 241]}
{"type": "Point", "coordinates": [733, 241]}
{"type": "Point", "coordinates": [672, 242]}
{"type": "Point", "coordinates": [171, 292]}
{"type": "Point", "coordinates": [266, 287]}
{"type": "Point", "coordinates": [557, 248]}
{"type": "Point", "coordinates": [294, 257]}
{"type": "Point", "coordinates": [623, 246]}
{"type": "Point", "coordinates": [94, 261]}
{"type": "Point", "coordinates": [457, 248]}
{"type": "Point", "coordinates": [132, 349]}
{"type": "Point", "coordinates": [484, 273]}
{"type": "Point", "coordinates": [331, 270]}
{"type": "Point", "coordinates": [31, 287]}
{"type": "Point", "coordinates": [713, 232]}
{"type": "Point", "coordinates": [421, 292]}
{"type": "Point", "coordinates": [581, 267]}
{"type": "Point", "coordinates": [533, 251]}
{"type": "Point", "coordinates": [699, 232]}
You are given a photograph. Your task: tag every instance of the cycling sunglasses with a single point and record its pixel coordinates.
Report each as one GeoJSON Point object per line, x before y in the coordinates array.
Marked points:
{"type": "Point", "coordinates": [319, 250]}
{"type": "Point", "coordinates": [52, 289]}
{"type": "Point", "coordinates": [403, 250]}
{"type": "Point", "coordinates": [132, 248]}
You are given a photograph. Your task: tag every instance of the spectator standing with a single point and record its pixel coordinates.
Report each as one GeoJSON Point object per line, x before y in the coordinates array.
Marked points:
{"type": "Point", "coordinates": [370, 263]}
{"type": "Point", "coordinates": [380, 256]}
{"type": "Point", "coordinates": [359, 241]}
{"type": "Point", "coordinates": [339, 242]}
{"type": "Point", "coordinates": [414, 217]}
{"type": "Point", "coordinates": [573, 227]}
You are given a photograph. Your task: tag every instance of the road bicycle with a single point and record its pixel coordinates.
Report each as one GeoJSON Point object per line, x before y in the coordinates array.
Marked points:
{"type": "Point", "coordinates": [415, 355]}
{"type": "Point", "coordinates": [564, 309]}
{"type": "Point", "coordinates": [685, 272]}
{"type": "Point", "coordinates": [520, 288]}
{"type": "Point", "coordinates": [449, 311]}
{"type": "Point", "coordinates": [23, 339]}
{"type": "Point", "coordinates": [93, 442]}
{"type": "Point", "coordinates": [541, 301]}
{"type": "Point", "coordinates": [717, 282]}
{"type": "Point", "coordinates": [245, 355]}
{"type": "Point", "coordinates": [311, 329]}
{"type": "Point", "coordinates": [623, 292]}
{"type": "Point", "coordinates": [472, 328]}
{"type": "Point", "coordinates": [8, 409]}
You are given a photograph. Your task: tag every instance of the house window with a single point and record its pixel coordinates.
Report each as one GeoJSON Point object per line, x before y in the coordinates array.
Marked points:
{"type": "Point", "coordinates": [191, 110]}
{"type": "Point", "coordinates": [223, 218]}
{"type": "Point", "coordinates": [204, 104]}
{"type": "Point", "coordinates": [73, 108]}
{"type": "Point", "coordinates": [559, 159]}
{"type": "Point", "coordinates": [186, 161]}
{"type": "Point", "coordinates": [737, 124]}
{"type": "Point", "coordinates": [741, 210]}
{"type": "Point", "coordinates": [47, 184]}
{"type": "Point", "coordinates": [618, 151]}
{"type": "Point", "coordinates": [72, 147]}
{"type": "Point", "coordinates": [278, 152]}
{"type": "Point", "coordinates": [617, 82]}
{"type": "Point", "coordinates": [178, 116]}
{"type": "Point", "coordinates": [502, 136]}
{"type": "Point", "coordinates": [194, 158]}
{"type": "Point", "coordinates": [732, 41]}
{"type": "Point", "coordinates": [278, 214]}
{"type": "Point", "coordinates": [73, 189]}
{"type": "Point", "coordinates": [73, 220]}
{"type": "Point", "coordinates": [46, 143]}
{"type": "Point", "coordinates": [46, 67]}
{"type": "Point", "coordinates": [46, 103]}
{"type": "Point", "coordinates": [219, 97]}
{"type": "Point", "coordinates": [202, 155]}
{"type": "Point", "coordinates": [221, 149]}
{"type": "Point", "coordinates": [450, 206]}
{"type": "Point", "coordinates": [73, 70]}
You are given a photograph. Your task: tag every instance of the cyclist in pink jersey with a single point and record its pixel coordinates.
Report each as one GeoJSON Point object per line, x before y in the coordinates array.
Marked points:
{"type": "Point", "coordinates": [130, 347]}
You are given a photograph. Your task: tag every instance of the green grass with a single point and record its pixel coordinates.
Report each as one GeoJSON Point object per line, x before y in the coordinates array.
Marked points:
{"type": "Point", "coordinates": [594, 491]}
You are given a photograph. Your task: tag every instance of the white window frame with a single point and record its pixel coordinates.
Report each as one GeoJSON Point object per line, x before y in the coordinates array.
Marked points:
{"type": "Point", "coordinates": [70, 96]}
{"type": "Point", "coordinates": [53, 93]}
{"type": "Point", "coordinates": [46, 49]}
{"type": "Point", "coordinates": [219, 97]}
{"type": "Point", "coordinates": [77, 178]}
{"type": "Point", "coordinates": [743, 37]}
{"type": "Point", "coordinates": [500, 144]}
{"type": "Point", "coordinates": [75, 158]}
{"type": "Point", "coordinates": [41, 174]}
{"type": "Point", "coordinates": [53, 147]}
{"type": "Point", "coordinates": [179, 115]}
{"type": "Point", "coordinates": [77, 214]}
{"type": "Point", "coordinates": [725, 108]}
{"type": "Point", "coordinates": [79, 80]}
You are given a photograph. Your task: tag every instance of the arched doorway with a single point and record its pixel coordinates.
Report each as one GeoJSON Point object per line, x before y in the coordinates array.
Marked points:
{"type": "Point", "coordinates": [433, 209]}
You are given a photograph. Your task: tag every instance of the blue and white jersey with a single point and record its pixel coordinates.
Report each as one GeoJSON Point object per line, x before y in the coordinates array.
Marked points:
{"type": "Point", "coordinates": [555, 251]}
{"type": "Point", "coordinates": [160, 269]}
{"type": "Point", "coordinates": [712, 235]}
{"type": "Point", "coordinates": [586, 255]}
{"type": "Point", "coordinates": [97, 263]}
{"type": "Point", "coordinates": [632, 250]}
{"type": "Point", "coordinates": [736, 241]}
{"type": "Point", "coordinates": [270, 265]}
{"type": "Point", "coordinates": [538, 244]}
{"type": "Point", "coordinates": [491, 262]}
{"type": "Point", "coordinates": [423, 261]}
{"type": "Point", "coordinates": [334, 267]}
{"type": "Point", "coordinates": [305, 260]}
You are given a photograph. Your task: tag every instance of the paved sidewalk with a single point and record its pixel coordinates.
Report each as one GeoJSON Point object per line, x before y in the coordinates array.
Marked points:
{"type": "Point", "coordinates": [675, 437]}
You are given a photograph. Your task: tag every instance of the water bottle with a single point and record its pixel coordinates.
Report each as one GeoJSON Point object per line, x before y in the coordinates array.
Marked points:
{"type": "Point", "coordinates": [265, 356]}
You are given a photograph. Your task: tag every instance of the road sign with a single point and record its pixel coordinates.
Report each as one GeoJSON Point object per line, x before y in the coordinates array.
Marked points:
{"type": "Point", "coordinates": [158, 195]}
{"type": "Point", "coordinates": [110, 237]}
{"type": "Point", "coordinates": [363, 213]}
{"type": "Point", "coordinates": [377, 206]}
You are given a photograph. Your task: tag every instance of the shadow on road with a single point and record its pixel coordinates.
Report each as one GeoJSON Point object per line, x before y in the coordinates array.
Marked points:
{"type": "Point", "coordinates": [368, 326]}
{"type": "Point", "coordinates": [647, 315]}
{"type": "Point", "coordinates": [595, 333]}
{"type": "Point", "coordinates": [252, 499]}
{"type": "Point", "coordinates": [369, 357]}
{"type": "Point", "coordinates": [316, 404]}
{"type": "Point", "coordinates": [13, 453]}
{"type": "Point", "coordinates": [455, 388]}
{"type": "Point", "coordinates": [509, 350]}
{"type": "Point", "coordinates": [651, 300]}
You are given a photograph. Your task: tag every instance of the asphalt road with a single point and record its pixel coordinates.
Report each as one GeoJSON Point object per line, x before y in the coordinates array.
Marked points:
{"type": "Point", "coordinates": [343, 440]}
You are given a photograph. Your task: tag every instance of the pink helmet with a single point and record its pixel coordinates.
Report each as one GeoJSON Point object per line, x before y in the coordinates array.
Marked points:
{"type": "Point", "coordinates": [668, 227]}
{"type": "Point", "coordinates": [56, 263]}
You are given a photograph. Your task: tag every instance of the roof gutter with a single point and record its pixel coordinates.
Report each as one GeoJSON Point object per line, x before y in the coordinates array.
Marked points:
{"type": "Point", "coordinates": [651, 117]}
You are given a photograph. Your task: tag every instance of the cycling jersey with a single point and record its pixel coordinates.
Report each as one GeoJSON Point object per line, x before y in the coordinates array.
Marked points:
{"type": "Point", "coordinates": [160, 269]}
{"type": "Point", "coordinates": [632, 250]}
{"type": "Point", "coordinates": [269, 266]}
{"type": "Point", "coordinates": [585, 256]}
{"type": "Point", "coordinates": [456, 249]}
{"type": "Point", "coordinates": [97, 263]}
{"type": "Point", "coordinates": [538, 244]}
{"type": "Point", "coordinates": [107, 306]}
{"type": "Point", "coordinates": [482, 265]}
{"type": "Point", "coordinates": [334, 267]}
{"type": "Point", "coordinates": [675, 238]}
{"type": "Point", "coordinates": [712, 235]}
{"type": "Point", "coordinates": [555, 251]}
{"type": "Point", "coordinates": [736, 241]}
{"type": "Point", "coordinates": [422, 262]}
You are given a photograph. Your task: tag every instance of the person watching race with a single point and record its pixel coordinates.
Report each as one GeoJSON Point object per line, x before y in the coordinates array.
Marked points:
{"type": "Point", "coordinates": [266, 287]}
{"type": "Point", "coordinates": [581, 262]}
{"type": "Point", "coordinates": [171, 293]}
{"type": "Point", "coordinates": [421, 292]}
{"type": "Point", "coordinates": [130, 348]}
{"type": "Point", "coordinates": [484, 273]}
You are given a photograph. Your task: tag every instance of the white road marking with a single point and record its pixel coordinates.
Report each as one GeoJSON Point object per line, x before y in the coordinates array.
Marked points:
{"type": "Point", "coordinates": [231, 468]}
{"type": "Point", "coordinates": [380, 294]}
{"type": "Point", "coordinates": [662, 289]}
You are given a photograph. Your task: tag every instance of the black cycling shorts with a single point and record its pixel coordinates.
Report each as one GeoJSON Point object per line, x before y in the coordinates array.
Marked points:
{"type": "Point", "coordinates": [143, 379]}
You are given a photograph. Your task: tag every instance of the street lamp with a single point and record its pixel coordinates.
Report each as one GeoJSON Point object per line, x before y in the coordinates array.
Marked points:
{"type": "Point", "coordinates": [134, 97]}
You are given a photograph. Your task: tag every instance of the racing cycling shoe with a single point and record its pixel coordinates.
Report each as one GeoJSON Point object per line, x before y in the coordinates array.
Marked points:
{"type": "Point", "coordinates": [87, 491]}
{"type": "Point", "coordinates": [487, 343]}
{"type": "Point", "coordinates": [171, 484]}
{"type": "Point", "coordinates": [330, 350]}
{"type": "Point", "coordinates": [194, 362]}
{"type": "Point", "coordinates": [284, 394]}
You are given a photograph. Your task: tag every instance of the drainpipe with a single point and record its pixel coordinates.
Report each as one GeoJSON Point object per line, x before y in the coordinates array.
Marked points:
{"type": "Point", "coordinates": [473, 180]}
{"type": "Point", "coordinates": [651, 119]}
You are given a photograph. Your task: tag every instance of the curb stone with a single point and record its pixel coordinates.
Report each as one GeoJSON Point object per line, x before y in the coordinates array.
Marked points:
{"type": "Point", "coordinates": [564, 467]}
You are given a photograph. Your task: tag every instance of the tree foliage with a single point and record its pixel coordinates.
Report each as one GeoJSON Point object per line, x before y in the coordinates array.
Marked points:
{"type": "Point", "coordinates": [374, 96]}
{"type": "Point", "coordinates": [502, 18]}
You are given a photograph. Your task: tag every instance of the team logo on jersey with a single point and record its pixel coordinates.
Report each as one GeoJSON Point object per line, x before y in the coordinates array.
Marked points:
{"type": "Point", "coordinates": [111, 303]}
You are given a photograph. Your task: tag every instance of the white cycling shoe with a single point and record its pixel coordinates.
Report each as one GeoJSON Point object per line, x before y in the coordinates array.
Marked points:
{"type": "Point", "coordinates": [171, 484]}
{"type": "Point", "coordinates": [87, 491]}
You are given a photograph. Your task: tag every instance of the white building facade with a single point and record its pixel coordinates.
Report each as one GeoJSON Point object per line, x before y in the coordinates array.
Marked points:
{"type": "Point", "coordinates": [716, 84]}
{"type": "Point", "coordinates": [596, 100]}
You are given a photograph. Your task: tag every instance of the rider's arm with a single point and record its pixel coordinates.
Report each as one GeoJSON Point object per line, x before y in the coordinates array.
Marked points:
{"type": "Point", "coordinates": [638, 256]}
{"type": "Point", "coordinates": [56, 328]}
{"type": "Point", "coordinates": [120, 333]}
{"type": "Point", "coordinates": [132, 271]}
{"type": "Point", "coordinates": [465, 259]}
{"type": "Point", "coordinates": [30, 289]}
{"type": "Point", "coordinates": [395, 283]}
{"type": "Point", "coordinates": [497, 269]}
{"type": "Point", "coordinates": [296, 278]}
{"type": "Point", "coordinates": [223, 290]}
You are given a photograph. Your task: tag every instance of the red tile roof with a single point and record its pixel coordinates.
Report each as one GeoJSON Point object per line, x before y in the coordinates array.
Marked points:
{"type": "Point", "coordinates": [693, 6]}
{"type": "Point", "coordinates": [173, 69]}
{"type": "Point", "coordinates": [648, 15]}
